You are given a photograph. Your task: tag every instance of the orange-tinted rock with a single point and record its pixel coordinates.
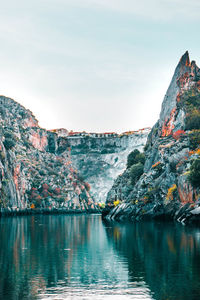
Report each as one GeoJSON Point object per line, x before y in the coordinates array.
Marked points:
{"type": "Point", "coordinates": [38, 142]}
{"type": "Point", "coordinates": [31, 122]}
{"type": "Point", "coordinates": [183, 80]}
{"type": "Point", "coordinates": [32, 172]}
{"type": "Point", "coordinates": [178, 98]}
{"type": "Point", "coordinates": [177, 134]}
{"type": "Point", "coordinates": [169, 124]}
{"type": "Point", "coordinates": [186, 193]}
{"type": "Point", "coordinates": [16, 175]}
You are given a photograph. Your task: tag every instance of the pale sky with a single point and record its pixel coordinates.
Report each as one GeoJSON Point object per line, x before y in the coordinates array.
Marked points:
{"type": "Point", "coordinates": [94, 65]}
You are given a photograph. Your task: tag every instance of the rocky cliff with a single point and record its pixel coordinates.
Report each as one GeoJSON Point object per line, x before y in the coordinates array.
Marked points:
{"type": "Point", "coordinates": [101, 157]}
{"type": "Point", "coordinates": [167, 183]}
{"type": "Point", "coordinates": [35, 171]}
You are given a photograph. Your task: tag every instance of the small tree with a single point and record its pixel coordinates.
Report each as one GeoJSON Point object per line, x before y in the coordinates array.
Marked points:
{"type": "Point", "coordinates": [194, 176]}
{"type": "Point", "coordinates": [193, 120]}
{"type": "Point", "coordinates": [9, 144]}
{"type": "Point", "coordinates": [136, 171]}
{"type": "Point", "coordinates": [10, 140]}
{"type": "Point", "coordinates": [135, 157]}
{"type": "Point", "coordinates": [194, 137]}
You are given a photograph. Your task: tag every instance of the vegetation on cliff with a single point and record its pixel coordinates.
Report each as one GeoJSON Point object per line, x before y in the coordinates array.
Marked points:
{"type": "Point", "coordinates": [135, 157]}
{"type": "Point", "coordinates": [168, 186]}
{"type": "Point", "coordinates": [190, 103]}
{"type": "Point", "coordinates": [34, 172]}
{"type": "Point", "coordinates": [194, 175]}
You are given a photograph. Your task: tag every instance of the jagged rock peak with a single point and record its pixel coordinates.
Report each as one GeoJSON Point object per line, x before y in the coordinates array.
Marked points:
{"type": "Point", "coordinates": [185, 59]}
{"type": "Point", "coordinates": [186, 76]}
{"type": "Point", "coordinates": [167, 186]}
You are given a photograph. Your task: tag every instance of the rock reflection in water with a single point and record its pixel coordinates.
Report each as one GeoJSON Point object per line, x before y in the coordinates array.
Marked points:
{"type": "Point", "coordinates": [48, 257]}
{"type": "Point", "coordinates": [79, 257]}
{"type": "Point", "coordinates": [167, 256]}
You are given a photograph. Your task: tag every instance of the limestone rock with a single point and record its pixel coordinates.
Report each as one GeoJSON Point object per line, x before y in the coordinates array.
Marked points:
{"type": "Point", "coordinates": [33, 174]}
{"type": "Point", "coordinates": [164, 190]}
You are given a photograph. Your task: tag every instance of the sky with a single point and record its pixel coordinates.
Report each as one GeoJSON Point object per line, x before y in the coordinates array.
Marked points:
{"type": "Point", "coordinates": [94, 65]}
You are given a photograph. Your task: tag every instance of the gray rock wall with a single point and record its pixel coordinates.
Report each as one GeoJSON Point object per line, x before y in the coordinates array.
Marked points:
{"type": "Point", "coordinates": [164, 189]}
{"type": "Point", "coordinates": [101, 160]}
{"type": "Point", "coordinates": [32, 172]}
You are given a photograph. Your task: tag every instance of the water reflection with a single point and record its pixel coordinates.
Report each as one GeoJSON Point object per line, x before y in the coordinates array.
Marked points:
{"type": "Point", "coordinates": [78, 257]}
{"type": "Point", "coordinates": [167, 256]}
{"type": "Point", "coordinates": [43, 257]}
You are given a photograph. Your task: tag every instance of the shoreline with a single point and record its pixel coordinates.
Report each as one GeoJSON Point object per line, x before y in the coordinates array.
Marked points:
{"type": "Point", "coordinates": [45, 211]}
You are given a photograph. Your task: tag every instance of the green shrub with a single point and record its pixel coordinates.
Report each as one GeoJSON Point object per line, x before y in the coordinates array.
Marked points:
{"type": "Point", "coordinates": [136, 171]}
{"type": "Point", "coordinates": [192, 120]}
{"type": "Point", "coordinates": [190, 102]}
{"type": "Point", "coordinates": [42, 172]}
{"type": "Point", "coordinates": [104, 151]}
{"type": "Point", "coordinates": [194, 176]}
{"type": "Point", "coordinates": [172, 166]}
{"type": "Point", "coordinates": [194, 137]}
{"type": "Point", "coordinates": [26, 143]}
{"type": "Point", "coordinates": [51, 143]}
{"type": "Point", "coordinates": [9, 143]}
{"type": "Point", "coordinates": [8, 135]}
{"type": "Point", "coordinates": [10, 139]}
{"type": "Point", "coordinates": [140, 158]}
{"type": "Point", "coordinates": [131, 158]}
{"type": "Point", "coordinates": [135, 157]}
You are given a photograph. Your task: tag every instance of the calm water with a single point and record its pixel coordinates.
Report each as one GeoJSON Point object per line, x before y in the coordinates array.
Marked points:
{"type": "Point", "coordinates": [79, 257]}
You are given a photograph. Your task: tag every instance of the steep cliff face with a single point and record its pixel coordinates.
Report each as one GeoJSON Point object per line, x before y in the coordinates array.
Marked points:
{"type": "Point", "coordinates": [100, 158]}
{"type": "Point", "coordinates": [170, 184]}
{"type": "Point", "coordinates": [33, 173]}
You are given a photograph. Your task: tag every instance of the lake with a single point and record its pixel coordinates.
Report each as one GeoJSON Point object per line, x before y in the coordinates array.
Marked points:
{"type": "Point", "coordinates": [81, 257]}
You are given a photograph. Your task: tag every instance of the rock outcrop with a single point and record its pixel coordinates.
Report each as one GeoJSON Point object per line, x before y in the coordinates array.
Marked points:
{"type": "Point", "coordinates": [170, 184]}
{"type": "Point", "coordinates": [35, 171]}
